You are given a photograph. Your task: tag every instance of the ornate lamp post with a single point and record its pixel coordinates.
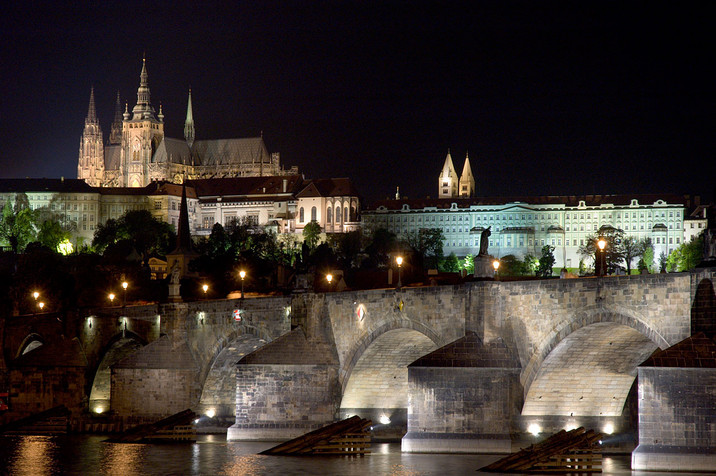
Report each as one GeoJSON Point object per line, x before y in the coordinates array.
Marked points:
{"type": "Point", "coordinates": [205, 288]}
{"type": "Point", "coordinates": [111, 299]}
{"type": "Point", "coordinates": [601, 259]}
{"type": "Point", "coordinates": [41, 305]}
{"type": "Point", "coordinates": [242, 274]}
{"type": "Point", "coordinates": [496, 265]}
{"type": "Point", "coordinates": [329, 278]}
{"type": "Point", "coordinates": [124, 296]}
{"type": "Point", "coordinates": [399, 260]}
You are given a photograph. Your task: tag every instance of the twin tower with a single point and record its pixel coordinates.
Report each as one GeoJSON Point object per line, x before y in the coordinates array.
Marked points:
{"type": "Point", "coordinates": [449, 186]}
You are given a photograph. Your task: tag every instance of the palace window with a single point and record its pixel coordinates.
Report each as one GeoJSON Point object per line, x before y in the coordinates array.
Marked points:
{"type": "Point", "coordinates": [300, 214]}
{"type": "Point", "coordinates": [314, 214]}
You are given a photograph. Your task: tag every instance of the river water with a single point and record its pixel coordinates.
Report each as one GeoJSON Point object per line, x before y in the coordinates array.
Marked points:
{"type": "Point", "coordinates": [213, 455]}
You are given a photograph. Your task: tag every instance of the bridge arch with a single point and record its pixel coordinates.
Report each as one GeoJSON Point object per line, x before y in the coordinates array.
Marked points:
{"type": "Point", "coordinates": [584, 319]}
{"type": "Point", "coordinates": [31, 342]}
{"type": "Point", "coordinates": [217, 403]}
{"type": "Point", "coordinates": [117, 348]}
{"type": "Point", "coordinates": [587, 378]}
{"type": "Point", "coordinates": [376, 382]}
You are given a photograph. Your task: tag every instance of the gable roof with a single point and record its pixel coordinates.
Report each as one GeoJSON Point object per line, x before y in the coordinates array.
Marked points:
{"type": "Point", "coordinates": [330, 187]}
{"type": "Point", "coordinates": [250, 150]}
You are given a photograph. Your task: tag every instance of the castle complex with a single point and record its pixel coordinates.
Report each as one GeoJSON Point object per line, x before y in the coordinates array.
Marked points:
{"type": "Point", "coordinates": [138, 153]}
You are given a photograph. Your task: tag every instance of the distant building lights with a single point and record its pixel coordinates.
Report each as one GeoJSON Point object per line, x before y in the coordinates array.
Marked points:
{"type": "Point", "coordinates": [99, 410]}
{"type": "Point", "coordinates": [210, 413]}
{"type": "Point", "coordinates": [608, 428]}
{"type": "Point", "coordinates": [384, 420]}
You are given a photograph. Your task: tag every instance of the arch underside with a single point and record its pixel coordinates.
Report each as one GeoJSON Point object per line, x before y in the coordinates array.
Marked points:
{"type": "Point", "coordinates": [589, 373]}
{"type": "Point", "coordinates": [378, 384]}
{"type": "Point", "coordinates": [218, 396]}
{"type": "Point", "coordinates": [100, 394]}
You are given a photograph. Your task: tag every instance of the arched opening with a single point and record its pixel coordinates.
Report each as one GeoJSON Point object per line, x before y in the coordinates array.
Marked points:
{"type": "Point", "coordinates": [31, 342]}
{"type": "Point", "coordinates": [587, 381]}
{"type": "Point", "coordinates": [217, 405]}
{"type": "Point", "coordinates": [100, 394]}
{"type": "Point", "coordinates": [378, 385]}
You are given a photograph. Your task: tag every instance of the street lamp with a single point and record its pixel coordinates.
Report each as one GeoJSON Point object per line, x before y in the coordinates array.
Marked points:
{"type": "Point", "coordinates": [496, 265]}
{"type": "Point", "coordinates": [124, 297]}
{"type": "Point", "coordinates": [601, 264]}
{"type": "Point", "coordinates": [329, 278]}
{"type": "Point", "coordinates": [111, 299]}
{"type": "Point", "coordinates": [42, 305]}
{"type": "Point", "coordinates": [242, 274]}
{"type": "Point", "coordinates": [399, 260]}
{"type": "Point", "coordinates": [205, 287]}
{"type": "Point", "coordinates": [36, 295]}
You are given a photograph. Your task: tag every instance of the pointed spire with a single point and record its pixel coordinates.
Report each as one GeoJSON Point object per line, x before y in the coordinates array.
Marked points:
{"type": "Point", "coordinates": [143, 109]}
{"type": "Point", "coordinates": [115, 132]}
{"type": "Point", "coordinates": [467, 180]}
{"type": "Point", "coordinates": [91, 111]}
{"type": "Point", "coordinates": [448, 180]}
{"type": "Point", "coordinates": [189, 132]}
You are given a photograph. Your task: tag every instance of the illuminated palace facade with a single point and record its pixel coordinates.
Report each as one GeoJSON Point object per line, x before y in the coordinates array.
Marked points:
{"type": "Point", "coordinates": [138, 153]}
{"type": "Point", "coordinates": [523, 225]}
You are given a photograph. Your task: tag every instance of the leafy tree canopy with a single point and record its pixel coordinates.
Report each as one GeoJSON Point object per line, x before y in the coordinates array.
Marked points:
{"type": "Point", "coordinates": [17, 223]}
{"type": "Point", "coordinates": [546, 262]}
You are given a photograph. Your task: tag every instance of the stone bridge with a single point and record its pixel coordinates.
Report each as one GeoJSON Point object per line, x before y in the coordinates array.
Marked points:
{"type": "Point", "coordinates": [460, 368]}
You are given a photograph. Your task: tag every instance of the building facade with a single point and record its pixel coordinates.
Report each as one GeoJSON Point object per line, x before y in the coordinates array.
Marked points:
{"type": "Point", "coordinates": [523, 225]}
{"type": "Point", "coordinates": [138, 152]}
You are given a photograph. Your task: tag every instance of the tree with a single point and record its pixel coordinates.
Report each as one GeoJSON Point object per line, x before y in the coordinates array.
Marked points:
{"type": "Point", "coordinates": [382, 243]}
{"type": "Point", "coordinates": [646, 262]}
{"type": "Point", "coordinates": [428, 243]}
{"type": "Point", "coordinates": [146, 234]}
{"type": "Point", "coordinates": [686, 256]}
{"type": "Point", "coordinates": [546, 261]}
{"type": "Point", "coordinates": [51, 234]}
{"type": "Point", "coordinates": [312, 234]}
{"type": "Point", "coordinates": [17, 225]}
{"type": "Point", "coordinates": [631, 248]}
{"type": "Point", "coordinates": [468, 264]}
{"type": "Point", "coordinates": [451, 264]}
{"type": "Point", "coordinates": [614, 252]}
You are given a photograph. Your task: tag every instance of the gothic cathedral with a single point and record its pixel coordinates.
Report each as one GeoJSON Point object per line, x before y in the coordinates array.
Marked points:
{"type": "Point", "coordinates": [138, 152]}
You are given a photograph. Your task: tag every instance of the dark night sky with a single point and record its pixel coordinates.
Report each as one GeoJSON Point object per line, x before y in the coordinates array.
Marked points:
{"type": "Point", "coordinates": [548, 98]}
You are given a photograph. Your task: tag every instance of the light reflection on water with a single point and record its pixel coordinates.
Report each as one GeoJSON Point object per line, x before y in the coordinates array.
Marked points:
{"type": "Point", "coordinates": [213, 455]}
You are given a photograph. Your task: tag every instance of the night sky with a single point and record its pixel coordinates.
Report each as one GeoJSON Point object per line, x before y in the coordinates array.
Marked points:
{"type": "Point", "coordinates": [548, 98]}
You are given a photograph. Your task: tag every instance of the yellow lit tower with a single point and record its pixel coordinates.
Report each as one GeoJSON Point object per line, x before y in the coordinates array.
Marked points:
{"type": "Point", "coordinates": [142, 132]}
{"type": "Point", "coordinates": [448, 181]}
{"type": "Point", "coordinates": [467, 180]}
{"type": "Point", "coordinates": [90, 165]}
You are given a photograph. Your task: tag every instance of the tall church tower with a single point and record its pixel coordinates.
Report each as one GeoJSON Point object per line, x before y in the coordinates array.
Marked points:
{"type": "Point", "coordinates": [448, 181]}
{"type": "Point", "coordinates": [141, 135]}
{"type": "Point", "coordinates": [90, 166]}
{"type": "Point", "coordinates": [115, 133]}
{"type": "Point", "coordinates": [189, 133]}
{"type": "Point", "coordinates": [467, 181]}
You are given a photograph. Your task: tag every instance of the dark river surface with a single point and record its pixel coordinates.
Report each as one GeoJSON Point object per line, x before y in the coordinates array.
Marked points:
{"type": "Point", "coordinates": [213, 455]}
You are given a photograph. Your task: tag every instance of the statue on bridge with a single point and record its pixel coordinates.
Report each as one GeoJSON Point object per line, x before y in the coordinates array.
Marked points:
{"type": "Point", "coordinates": [484, 241]}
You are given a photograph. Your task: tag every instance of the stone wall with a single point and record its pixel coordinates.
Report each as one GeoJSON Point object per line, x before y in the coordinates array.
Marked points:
{"type": "Point", "coordinates": [276, 402]}
{"type": "Point", "coordinates": [677, 423]}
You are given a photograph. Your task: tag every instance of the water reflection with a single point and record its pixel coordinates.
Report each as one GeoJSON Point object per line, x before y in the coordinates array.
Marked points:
{"type": "Point", "coordinates": [87, 454]}
{"type": "Point", "coordinates": [33, 456]}
{"type": "Point", "coordinates": [122, 459]}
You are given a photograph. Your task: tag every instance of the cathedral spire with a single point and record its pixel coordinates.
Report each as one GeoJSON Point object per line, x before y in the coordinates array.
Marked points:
{"type": "Point", "coordinates": [115, 132]}
{"type": "Point", "coordinates": [91, 111]}
{"type": "Point", "coordinates": [143, 109]}
{"type": "Point", "coordinates": [189, 133]}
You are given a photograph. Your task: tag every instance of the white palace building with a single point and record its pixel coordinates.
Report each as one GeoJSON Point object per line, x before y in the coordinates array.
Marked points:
{"type": "Point", "coordinates": [523, 225]}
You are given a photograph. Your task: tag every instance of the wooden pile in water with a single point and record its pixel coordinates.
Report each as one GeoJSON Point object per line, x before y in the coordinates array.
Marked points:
{"type": "Point", "coordinates": [574, 451]}
{"type": "Point", "coordinates": [54, 421]}
{"type": "Point", "coordinates": [176, 428]}
{"type": "Point", "coordinates": [346, 437]}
